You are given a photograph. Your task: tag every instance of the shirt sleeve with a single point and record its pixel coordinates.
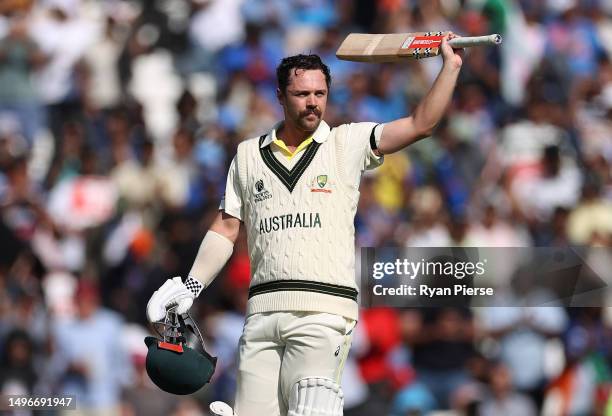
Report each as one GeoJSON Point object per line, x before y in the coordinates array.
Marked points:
{"type": "Point", "coordinates": [231, 202]}
{"type": "Point", "coordinates": [358, 154]}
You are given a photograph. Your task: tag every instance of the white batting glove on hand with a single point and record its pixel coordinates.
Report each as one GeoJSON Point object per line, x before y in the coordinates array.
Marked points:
{"type": "Point", "coordinates": [173, 293]}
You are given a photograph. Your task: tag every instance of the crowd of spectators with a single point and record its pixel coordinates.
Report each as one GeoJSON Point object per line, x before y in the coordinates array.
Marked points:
{"type": "Point", "coordinates": [118, 120]}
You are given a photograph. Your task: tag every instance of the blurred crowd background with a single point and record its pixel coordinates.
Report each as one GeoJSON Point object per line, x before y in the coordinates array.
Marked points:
{"type": "Point", "coordinates": [118, 120]}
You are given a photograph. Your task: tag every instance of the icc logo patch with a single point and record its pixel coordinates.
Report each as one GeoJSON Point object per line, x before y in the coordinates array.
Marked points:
{"type": "Point", "coordinates": [262, 194]}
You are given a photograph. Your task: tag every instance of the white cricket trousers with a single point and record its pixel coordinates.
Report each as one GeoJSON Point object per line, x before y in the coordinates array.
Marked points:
{"type": "Point", "coordinates": [278, 349]}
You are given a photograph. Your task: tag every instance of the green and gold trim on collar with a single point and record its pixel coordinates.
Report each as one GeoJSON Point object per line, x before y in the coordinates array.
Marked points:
{"type": "Point", "coordinates": [289, 177]}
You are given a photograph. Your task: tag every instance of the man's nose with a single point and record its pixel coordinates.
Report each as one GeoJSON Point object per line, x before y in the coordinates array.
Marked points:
{"type": "Point", "coordinates": [311, 101]}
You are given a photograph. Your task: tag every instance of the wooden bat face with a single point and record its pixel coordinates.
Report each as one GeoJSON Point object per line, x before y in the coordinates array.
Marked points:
{"type": "Point", "coordinates": [392, 47]}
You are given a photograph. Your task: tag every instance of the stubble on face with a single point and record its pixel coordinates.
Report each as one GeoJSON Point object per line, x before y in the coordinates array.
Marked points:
{"type": "Point", "coordinates": [309, 120]}
{"type": "Point", "coordinates": [306, 115]}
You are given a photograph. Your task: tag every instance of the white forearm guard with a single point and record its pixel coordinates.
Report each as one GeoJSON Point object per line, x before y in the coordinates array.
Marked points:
{"type": "Point", "coordinates": [214, 252]}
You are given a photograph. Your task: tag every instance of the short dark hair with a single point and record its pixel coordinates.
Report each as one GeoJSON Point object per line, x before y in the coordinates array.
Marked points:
{"type": "Point", "coordinates": [300, 62]}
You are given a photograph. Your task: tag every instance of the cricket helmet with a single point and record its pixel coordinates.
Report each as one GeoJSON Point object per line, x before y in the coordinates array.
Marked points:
{"type": "Point", "coordinates": [176, 360]}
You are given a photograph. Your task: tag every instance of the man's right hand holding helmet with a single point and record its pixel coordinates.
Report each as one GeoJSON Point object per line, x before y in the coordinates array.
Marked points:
{"type": "Point", "coordinates": [173, 293]}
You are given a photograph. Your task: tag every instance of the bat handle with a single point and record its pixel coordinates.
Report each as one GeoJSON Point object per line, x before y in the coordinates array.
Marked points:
{"type": "Point", "coordinates": [469, 41]}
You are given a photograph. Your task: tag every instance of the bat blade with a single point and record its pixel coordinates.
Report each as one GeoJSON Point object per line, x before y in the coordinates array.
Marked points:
{"type": "Point", "coordinates": [395, 47]}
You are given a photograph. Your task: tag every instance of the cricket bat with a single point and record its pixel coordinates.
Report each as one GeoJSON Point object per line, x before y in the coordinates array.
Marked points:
{"type": "Point", "coordinates": [395, 47]}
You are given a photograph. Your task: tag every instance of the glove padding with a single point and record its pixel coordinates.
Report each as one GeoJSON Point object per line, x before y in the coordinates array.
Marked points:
{"type": "Point", "coordinates": [173, 293]}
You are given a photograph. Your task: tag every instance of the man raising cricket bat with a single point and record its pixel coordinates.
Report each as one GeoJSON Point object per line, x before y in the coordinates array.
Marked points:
{"type": "Point", "coordinates": [295, 189]}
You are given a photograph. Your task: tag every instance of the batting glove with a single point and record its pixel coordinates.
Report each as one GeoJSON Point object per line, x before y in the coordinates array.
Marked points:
{"type": "Point", "coordinates": [173, 293]}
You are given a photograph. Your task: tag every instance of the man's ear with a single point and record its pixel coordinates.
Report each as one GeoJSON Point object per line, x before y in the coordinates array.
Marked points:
{"type": "Point", "coordinates": [280, 97]}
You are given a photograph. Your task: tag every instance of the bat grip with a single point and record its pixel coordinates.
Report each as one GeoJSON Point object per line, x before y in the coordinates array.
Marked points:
{"type": "Point", "coordinates": [469, 41]}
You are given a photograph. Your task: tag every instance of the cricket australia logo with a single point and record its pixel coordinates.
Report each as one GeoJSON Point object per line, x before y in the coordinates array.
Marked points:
{"type": "Point", "coordinates": [321, 180]}
{"type": "Point", "coordinates": [321, 184]}
{"type": "Point", "coordinates": [261, 193]}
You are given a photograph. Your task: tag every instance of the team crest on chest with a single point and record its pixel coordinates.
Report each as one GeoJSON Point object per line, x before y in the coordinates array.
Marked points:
{"type": "Point", "coordinates": [321, 183]}
{"type": "Point", "coordinates": [261, 194]}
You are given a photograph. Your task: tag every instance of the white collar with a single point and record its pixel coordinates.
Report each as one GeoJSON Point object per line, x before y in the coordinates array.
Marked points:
{"type": "Point", "coordinates": [319, 136]}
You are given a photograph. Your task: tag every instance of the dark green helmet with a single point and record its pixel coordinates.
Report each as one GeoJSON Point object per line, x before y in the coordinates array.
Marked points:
{"type": "Point", "coordinates": [174, 366]}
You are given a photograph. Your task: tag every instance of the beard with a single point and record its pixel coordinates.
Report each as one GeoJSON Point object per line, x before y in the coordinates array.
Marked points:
{"type": "Point", "coordinates": [307, 125]}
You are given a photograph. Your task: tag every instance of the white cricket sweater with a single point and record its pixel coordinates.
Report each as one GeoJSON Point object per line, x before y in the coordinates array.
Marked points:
{"type": "Point", "coordinates": [299, 218]}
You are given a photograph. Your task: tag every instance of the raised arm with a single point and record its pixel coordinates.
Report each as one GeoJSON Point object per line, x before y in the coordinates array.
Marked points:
{"type": "Point", "coordinates": [402, 132]}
